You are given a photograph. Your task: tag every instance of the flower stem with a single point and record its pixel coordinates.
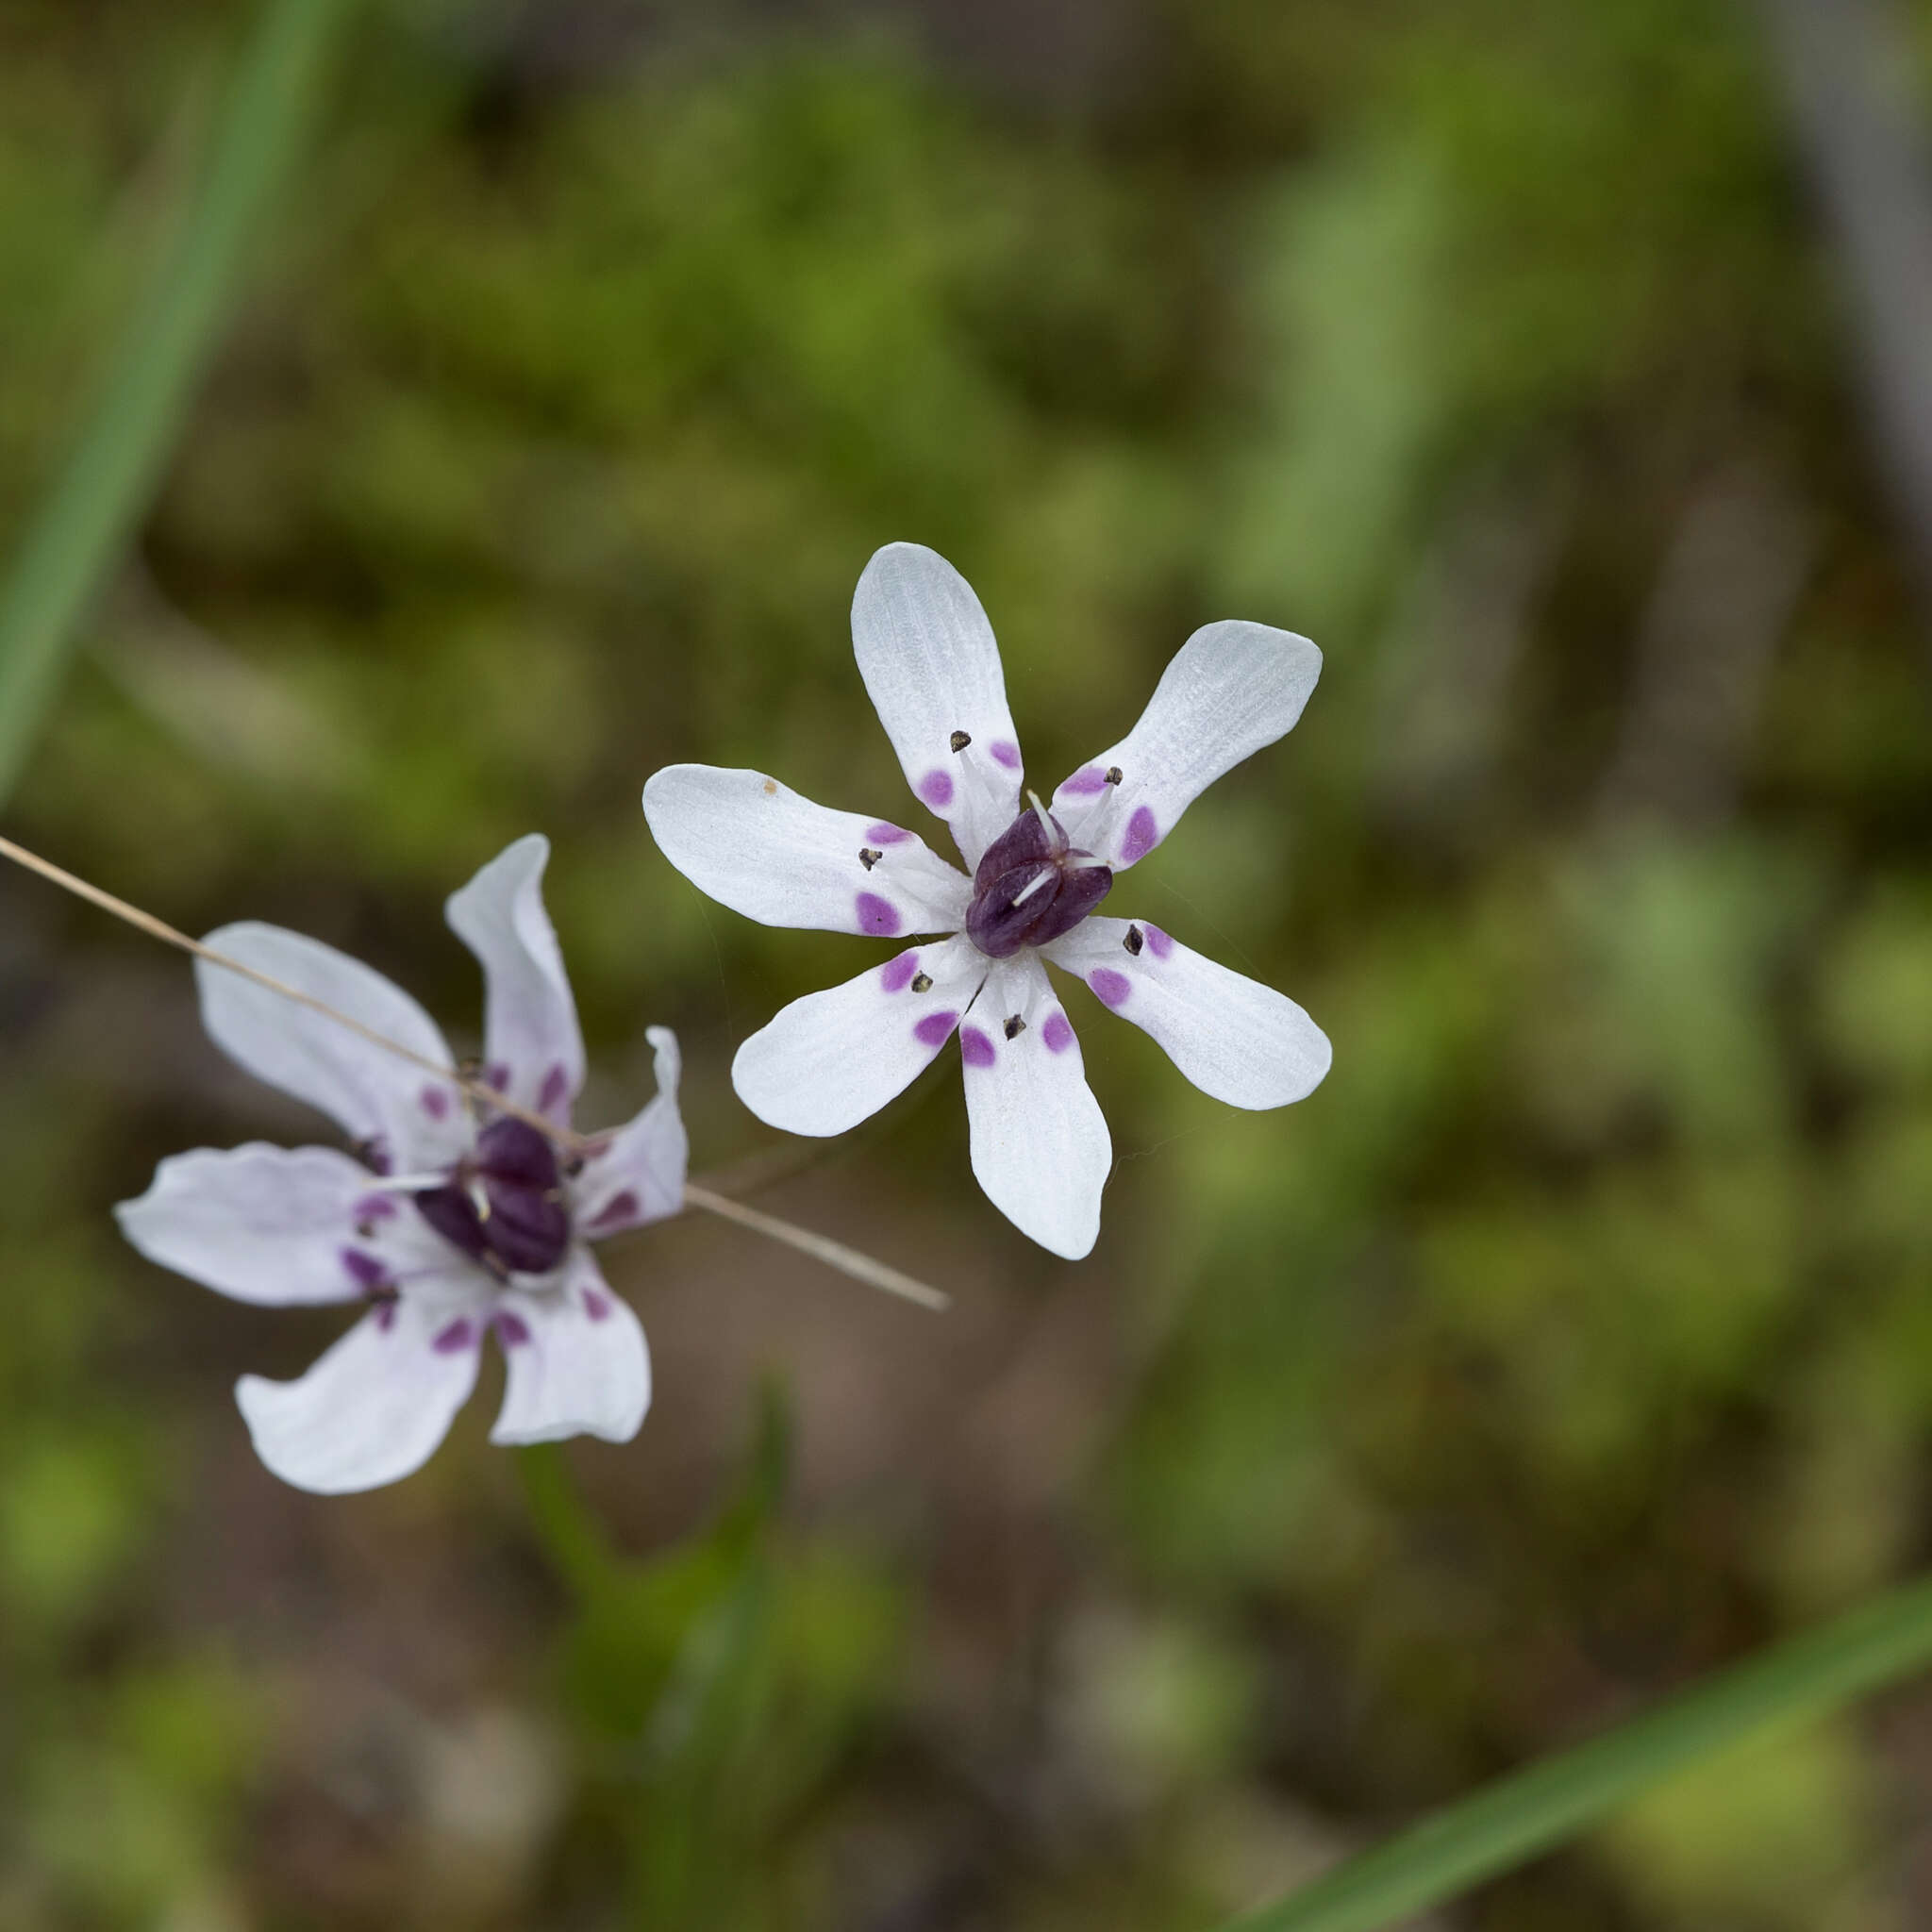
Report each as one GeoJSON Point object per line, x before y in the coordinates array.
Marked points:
{"type": "Point", "coordinates": [822, 1248]}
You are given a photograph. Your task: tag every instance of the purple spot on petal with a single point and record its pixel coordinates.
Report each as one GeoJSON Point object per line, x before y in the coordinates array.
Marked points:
{"type": "Point", "coordinates": [1142, 835]}
{"type": "Point", "coordinates": [1159, 944]}
{"type": "Point", "coordinates": [1112, 988]}
{"type": "Point", "coordinates": [385, 1316]}
{"type": "Point", "coordinates": [935, 1029]}
{"type": "Point", "coordinates": [936, 788]}
{"type": "Point", "coordinates": [1002, 751]}
{"type": "Point", "coordinates": [498, 1075]}
{"type": "Point", "coordinates": [596, 1305]}
{"type": "Point", "coordinates": [555, 1085]}
{"type": "Point", "coordinates": [895, 976]}
{"type": "Point", "coordinates": [511, 1329]}
{"type": "Point", "coordinates": [1058, 1033]}
{"type": "Point", "coordinates": [435, 1102]}
{"type": "Point", "coordinates": [1085, 782]}
{"type": "Point", "coordinates": [620, 1208]}
{"type": "Point", "coordinates": [878, 916]}
{"type": "Point", "coordinates": [373, 1208]}
{"type": "Point", "coordinates": [365, 1270]}
{"type": "Point", "coordinates": [884, 833]}
{"type": "Point", "coordinates": [453, 1339]}
{"type": "Point", "coordinates": [975, 1049]}
{"type": "Point", "coordinates": [376, 1155]}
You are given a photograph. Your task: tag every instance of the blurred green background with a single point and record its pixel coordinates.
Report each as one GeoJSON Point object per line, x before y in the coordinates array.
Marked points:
{"type": "Point", "coordinates": [1574, 1337]}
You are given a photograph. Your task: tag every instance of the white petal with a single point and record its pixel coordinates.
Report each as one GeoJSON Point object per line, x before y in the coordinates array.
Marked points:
{"type": "Point", "coordinates": [276, 1225]}
{"type": "Point", "coordinates": [637, 1173]}
{"type": "Point", "coordinates": [375, 1407]}
{"type": "Point", "coordinates": [1231, 689]}
{"type": "Point", "coordinates": [407, 1116]}
{"type": "Point", "coordinates": [1040, 1144]}
{"type": "Point", "coordinates": [532, 1043]}
{"type": "Point", "coordinates": [577, 1362]}
{"type": "Point", "coordinates": [834, 1059]}
{"type": "Point", "coordinates": [1234, 1037]}
{"type": "Point", "coordinates": [927, 656]}
{"type": "Point", "coordinates": [757, 847]}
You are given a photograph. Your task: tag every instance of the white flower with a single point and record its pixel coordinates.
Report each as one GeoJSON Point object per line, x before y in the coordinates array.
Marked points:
{"type": "Point", "coordinates": [1040, 1145]}
{"type": "Point", "coordinates": [450, 1222]}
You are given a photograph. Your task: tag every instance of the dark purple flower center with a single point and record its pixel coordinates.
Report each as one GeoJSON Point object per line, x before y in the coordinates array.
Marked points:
{"type": "Point", "coordinates": [504, 1205]}
{"type": "Point", "coordinates": [1031, 886]}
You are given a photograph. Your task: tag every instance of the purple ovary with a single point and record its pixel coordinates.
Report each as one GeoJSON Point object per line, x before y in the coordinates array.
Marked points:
{"type": "Point", "coordinates": [526, 1228]}
{"type": "Point", "coordinates": [895, 976]}
{"type": "Point", "coordinates": [934, 1029]}
{"type": "Point", "coordinates": [1030, 887]}
{"type": "Point", "coordinates": [1057, 1033]}
{"type": "Point", "coordinates": [1142, 835]}
{"type": "Point", "coordinates": [936, 788]}
{"type": "Point", "coordinates": [877, 916]}
{"type": "Point", "coordinates": [1112, 988]}
{"type": "Point", "coordinates": [975, 1049]}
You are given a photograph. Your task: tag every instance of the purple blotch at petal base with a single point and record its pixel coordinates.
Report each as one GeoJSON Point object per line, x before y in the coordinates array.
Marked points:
{"type": "Point", "coordinates": [935, 1029]}
{"type": "Point", "coordinates": [895, 976]}
{"type": "Point", "coordinates": [1142, 836]}
{"type": "Point", "coordinates": [877, 916]}
{"type": "Point", "coordinates": [976, 1048]}
{"type": "Point", "coordinates": [883, 833]}
{"type": "Point", "coordinates": [1002, 751]}
{"type": "Point", "coordinates": [1110, 987]}
{"type": "Point", "coordinates": [1057, 1033]}
{"type": "Point", "coordinates": [936, 788]}
{"type": "Point", "coordinates": [1159, 944]}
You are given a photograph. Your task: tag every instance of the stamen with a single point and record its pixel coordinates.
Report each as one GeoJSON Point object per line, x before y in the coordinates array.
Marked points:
{"type": "Point", "coordinates": [1015, 1026]}
{"type": "Point", "coordinates": [960, 739]}
{"type": "Point", "coordinates": [1085, 864]}
{"type": "Point", "coordinates": [406, 1183]}
{"type": "Point", "coordinates": [1053, 838]}
{"type": "Point", "coordinates": [820, 1247]}
{"type": "Point", "coordinates": [1113, 774]}
{"type": "Point", "coordinates": [922, 982]}
{"type": "Point", "coordinates": [1027, 892]}
{"type": "Point", "coordinates": [867, 857]}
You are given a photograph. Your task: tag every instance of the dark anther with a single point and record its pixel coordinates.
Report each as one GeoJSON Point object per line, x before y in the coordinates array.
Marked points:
{"type": "Point", "coordinates": [867, 857]}
{"type": "Point", "coordinates": [1028, 887]}
{"type": "Point", "coordinates": [1133, 940]}
{"type": "Point", "coordinates": [961, 740]}
{"type": "Point", "coordinates": [574, 1166]}
{"type": "Point", "coordinates": [366, 1229]}
{"type": "Point", "coordinates": [523, 1226]}
{"type": "Point", "coordinates": [922, 982]}
{"type": "Point", "coordinates": [1113, 774]}
{"type": "Point", "coordinates": [1015, 1026]}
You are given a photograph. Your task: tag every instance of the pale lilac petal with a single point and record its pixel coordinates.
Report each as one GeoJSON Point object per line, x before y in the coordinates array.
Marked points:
{"type": "Point", "coordinates": [406, 1116]}
{"type": "Point", "coordinates": [532, 1043]}
{"type": "Point", "coordinates": [927, 656]}
{"type": "Point", "coordinates": [834, 1059]}
{"type": "Point", "coordinates": [637, 1173]}
{"type": "Point", "coordinates": [1041, 1146]}
{"type": "Point", "coordinates": [1231, 689]}
{"type": "Point", "coordinates": [373, 1409]}
{"type": "Point", "coordinates": [1234, 1037]}
{"type": "Point", "coordinates": [757, 847]}
{"type": "Point", "coordinates": [276, 1225]}
{"type": "Point", "coordinates": [576, 1359]}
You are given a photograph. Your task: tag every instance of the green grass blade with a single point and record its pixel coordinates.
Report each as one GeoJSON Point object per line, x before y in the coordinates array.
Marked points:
{"type": "Point", "coordinates": [103, 490]}
{"type": "Point", "coordinates": [1535, 1810]}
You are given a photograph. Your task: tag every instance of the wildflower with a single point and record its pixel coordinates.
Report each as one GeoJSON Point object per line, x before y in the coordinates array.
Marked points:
{"type": "Point", "coordinates": [451, 1221]}
{"type": "Point", "coordinates": [1035, 877]}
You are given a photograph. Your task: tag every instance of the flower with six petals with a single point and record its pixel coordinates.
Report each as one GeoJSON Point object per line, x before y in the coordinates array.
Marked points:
{"type": "Point", "coordinates": [451, 1221]}
{"type": "Point", "coordinates": [1035, 875]}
